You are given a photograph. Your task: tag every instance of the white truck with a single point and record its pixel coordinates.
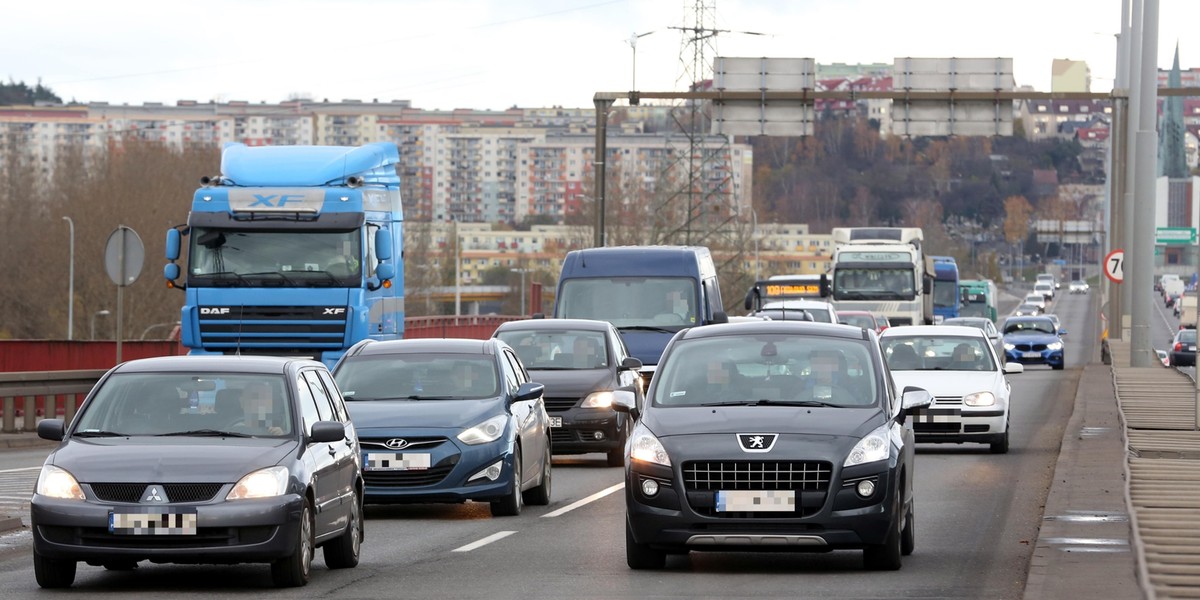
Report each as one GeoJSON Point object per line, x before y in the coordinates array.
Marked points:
{"type": "Point", "coordinates": [885, 271]}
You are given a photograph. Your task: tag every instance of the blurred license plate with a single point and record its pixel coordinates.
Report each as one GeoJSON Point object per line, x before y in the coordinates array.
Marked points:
{"type": "Point", "coordinates": [1033, 355]}
{"type": "Point", "coordinates": [556, 421]}
{"type": "Point", "coordinates": [756, 501]}
{"type": "Point", "coordinates": [168, 523]}
{"type": "Point", "coordinates": [392, 461]}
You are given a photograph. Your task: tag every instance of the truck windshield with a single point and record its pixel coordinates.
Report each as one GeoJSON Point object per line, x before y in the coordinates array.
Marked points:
{"type": "Point", "coordinates": [873, 284]}
{"type": "Point", "coordinates": [945, 293]}
{"type": "Point", "coordinates": [631, 301]}
{"type": "Point", "coordinates": [274, 258]}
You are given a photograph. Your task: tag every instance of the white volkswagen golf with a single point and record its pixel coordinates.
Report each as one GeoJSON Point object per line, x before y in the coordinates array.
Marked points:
{"type": "Point", "coordinates": [960, 368]}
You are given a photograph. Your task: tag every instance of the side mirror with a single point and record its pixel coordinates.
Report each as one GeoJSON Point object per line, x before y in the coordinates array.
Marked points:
{"type": "Point", "coordinates": [914, 397]}
{"type": "Point", "coordinates": [530, 390]}
{"type": "Point", "coordinates": [719, 317]}
{"type": "Point", "coordinates": [1013, 368]}
{"type": "Point", "coordinates": [826, 288]}
{"type": "Point", "coordinates": [753, 297]}
{"type": "Point", "coordinates": [625, 400]}
{"type": "Point", "coordinates": [1062, 332]}
{"type": "Point", "coordinates": [173, 244]}
{"type": "Point", "coordinates": [631, 362]}
{"type": "Point", "coordinates": [171, 271]}
{"type": "Point", "coordinates": [51, 429]}
{"type": "Point", "coordinates": [385, 271]}
{"type": "Point", "coordinates": [327, 431]}
{"type": "Point", "coordinates": [383, 245]}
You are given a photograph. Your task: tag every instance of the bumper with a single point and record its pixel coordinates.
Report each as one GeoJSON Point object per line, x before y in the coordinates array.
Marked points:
{"type": "Point", "coordinates": [834, 519]}
{"type": "Point", "coordinates": [448, 479]}
{"type": "Point", "coordinates": [1053, 358]}
{"type": "Point", "coordinates": [983, 426]}
{"type": "Point", "coordinates": [1183, 359]}
{"type": "Point", "coordinates": [227, 532]}
{"type": "Point", "coordinates": [580, 427]}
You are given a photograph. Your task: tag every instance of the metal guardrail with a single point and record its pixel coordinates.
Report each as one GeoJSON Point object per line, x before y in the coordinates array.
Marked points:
{"type": "Point", "coordinates": [21, 394]}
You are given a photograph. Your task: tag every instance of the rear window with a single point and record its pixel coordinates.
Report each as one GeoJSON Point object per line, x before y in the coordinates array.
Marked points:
{"type": "Point", "coordinates": [558, 348]}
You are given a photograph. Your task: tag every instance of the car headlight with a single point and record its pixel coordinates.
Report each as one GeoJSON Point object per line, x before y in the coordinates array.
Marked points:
{"type": "Point", "coordinates": [598, 400]}
{"type": "Point", "coordinates": [263, 483]}
{"type": "Point", "coordinates": [487, 431]}
{"type": "Point", "coordinates": [979, 399]}
{"type": "Point", "coordinates": [1054, 346]}
{"type": "Point", "coordinates": [645, 447]}
{"type": "Point", "coordinates": [54, 482]}
{"type": "Point", "coordinates": [1008, 346]}
{"type": "Point", "coordinates": [873, 447]}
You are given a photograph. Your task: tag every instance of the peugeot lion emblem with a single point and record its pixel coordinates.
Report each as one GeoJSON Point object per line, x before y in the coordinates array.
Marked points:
{"type": "Point", "coordinates": [757, 442]}
{"type": "Point", "coordinates": [396, 443]}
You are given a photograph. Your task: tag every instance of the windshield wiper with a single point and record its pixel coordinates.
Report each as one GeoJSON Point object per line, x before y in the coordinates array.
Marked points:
{"type": "Point", "coordinates": [278, 274]}
{"type": "Point", "coordinates": [204, 433]}
{"type": "Point", "coordinates": [769, 402]}
{"type": "Point", "coordinates": [333, 280]}
{"type": "Point", "coordinates": [99, 433]}
{"type": "Point", "coordinates": [850, 296]}
{"type": "Point", "coordinates": [224, 274]}
{"type": "Point", "coordinates": [646, 328]}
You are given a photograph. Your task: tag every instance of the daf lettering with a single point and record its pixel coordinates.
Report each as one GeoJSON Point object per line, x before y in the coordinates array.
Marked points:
{"type": "Point", "coordinates": [220, 310]}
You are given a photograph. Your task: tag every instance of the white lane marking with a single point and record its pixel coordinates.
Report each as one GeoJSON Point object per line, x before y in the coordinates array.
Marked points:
{"type": "Point", "coordinates": [598, 495]}
{"type": "Point", "coordinates": [20, 469]}
{"type": "Point", "coordinates": [25, 498]}
{"type": "Point", "coordinates": [485, 541]}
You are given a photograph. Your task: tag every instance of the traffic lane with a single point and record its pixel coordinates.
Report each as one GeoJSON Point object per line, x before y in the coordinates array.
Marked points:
{"type": "Point", "coordinates": [1163, 325]}
{"type": "Point", "coordinates": [400, 542]}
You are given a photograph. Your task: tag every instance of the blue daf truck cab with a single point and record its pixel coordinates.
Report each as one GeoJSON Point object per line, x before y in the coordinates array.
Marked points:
{"type": "Point", "coordinates": [649, 293]}
{"type": "Point", "coordinates": [292, 250]}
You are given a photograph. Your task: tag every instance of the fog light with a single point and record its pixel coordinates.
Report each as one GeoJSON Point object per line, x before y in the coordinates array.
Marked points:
{"type": "Point", "coordinates": [649, 487]}
{"type": "Point", "coordinates": [491, 473]}
{"type": "Point", "coordinates": [598, 435]}
{"type": "Point", "coordinates": [865, 488]}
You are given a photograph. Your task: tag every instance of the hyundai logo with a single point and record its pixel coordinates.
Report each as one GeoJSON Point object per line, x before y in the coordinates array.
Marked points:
{"type": "Point", "coordinates": [396, 443]}
{"type": "Point", "coordinates": [757, 442]}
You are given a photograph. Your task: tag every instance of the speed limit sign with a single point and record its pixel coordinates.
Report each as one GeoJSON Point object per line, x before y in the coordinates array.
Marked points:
{"type": "Point", "coordinates": [1114, 266]}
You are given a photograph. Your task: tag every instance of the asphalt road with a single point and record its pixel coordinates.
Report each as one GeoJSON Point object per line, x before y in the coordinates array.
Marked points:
{"type": "Point", "coordinates": [977, 517]}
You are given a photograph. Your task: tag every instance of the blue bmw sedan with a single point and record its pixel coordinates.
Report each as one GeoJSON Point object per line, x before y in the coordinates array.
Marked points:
{"type": "Point", "coordinates": [447, 420]}
{"type": "Point", "coordinates": [1034, 340]}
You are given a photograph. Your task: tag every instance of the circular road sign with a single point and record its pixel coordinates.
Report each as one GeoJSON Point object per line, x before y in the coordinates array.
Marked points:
{"type": "Point", "coordinates": [1114, 265]}
{"type": "Point", "coordinates": [123, 256]}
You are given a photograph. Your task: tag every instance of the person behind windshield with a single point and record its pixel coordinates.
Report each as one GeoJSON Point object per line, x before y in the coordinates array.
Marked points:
{"type": "Point", "coordinates": [258, 411]}
{"type": "Point", "coordinates": [828, 379]}
{"type": "Point", "coordinates": [963, 358]}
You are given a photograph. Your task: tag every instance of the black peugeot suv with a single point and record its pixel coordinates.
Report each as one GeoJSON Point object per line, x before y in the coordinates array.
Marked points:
{"type": "Point", "coordinates": [779, 435]}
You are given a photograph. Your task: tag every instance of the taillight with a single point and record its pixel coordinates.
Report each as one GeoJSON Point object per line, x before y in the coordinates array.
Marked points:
{"type": "Point", "coordinates": [1178, 346]}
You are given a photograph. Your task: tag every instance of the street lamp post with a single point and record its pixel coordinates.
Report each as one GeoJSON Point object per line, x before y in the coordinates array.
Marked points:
{"type": "Point", "coordinates": [71, 284]}
{"type": "Point", "coordinates": [100, 313]}
{"type": "Point", "coordinates": [522, 272]}
{"type": "Point", "coordinates": [754, 234]}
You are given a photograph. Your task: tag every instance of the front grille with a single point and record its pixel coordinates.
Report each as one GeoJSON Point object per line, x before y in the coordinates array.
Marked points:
{"type": "Point", "coordinates": [898, 321]}
{"type": "Point", "coordinates": [936, 427]}
{"type": "Point", "coordinates": [415, 444]}
{"type": "Point", "coordinates": [176, 492]}
{"type": "Point", "coordinates": [560, 404]}
{"type": "Point", "coordinates": [205, 537]}
{"type": "Point", "coordinates": [559, 435]}
{"type": "Point", "coordinates": [947, 401]}
{"type": "Point", "coordinates": [275, 329]}
{"type": "Point", "coordinates": [1030, 347]}
{"type": "Point", "coordinates": [757, 475]}
{"type": "Point", "coordinates": [406, 479]}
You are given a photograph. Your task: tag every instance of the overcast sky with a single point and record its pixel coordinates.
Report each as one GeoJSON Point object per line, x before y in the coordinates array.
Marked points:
{"type": "Point", "coordinates": [493, 54]}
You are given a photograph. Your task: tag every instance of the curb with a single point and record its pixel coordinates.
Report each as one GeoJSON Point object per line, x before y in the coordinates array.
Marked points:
{"type": "Point", "coordinates": [10, 523]}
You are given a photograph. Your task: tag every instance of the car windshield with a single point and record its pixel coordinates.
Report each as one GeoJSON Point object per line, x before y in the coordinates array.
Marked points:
{"type": "Point", "coordinates": [767, 369]}
{"type": "Point", "coordinates": [558, 348]}
{"type": "Point", "coordinates": [412, 376]}
{"type": "Point", "coordinates": [937, 353]}
{"type": "Point", "coordinates": [181, 403]}
{"type": "Point", "coordinates": [667, 302]}
{"type": "Point", "coordinates": [1030, 326]}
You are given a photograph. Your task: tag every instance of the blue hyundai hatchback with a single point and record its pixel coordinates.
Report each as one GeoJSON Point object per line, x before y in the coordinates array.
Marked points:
{"type": "Point", "coordinates": [1034, 340]}
{"type": "Point", "coordinates": [447, 420]}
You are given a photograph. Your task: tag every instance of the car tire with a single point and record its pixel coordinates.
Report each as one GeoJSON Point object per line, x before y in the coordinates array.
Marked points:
{"type": "Point", "coordinates": [885, 556]}
{"type": "Point", "coordinates": [642, 556]}
{"type": "Point", "coordinates": [908, 536]}
{"type": "Point", "coordinates": [294, 570]}
{"type": "Point", "coordinates": [1001, 446]}
{"type": "Point", "coordinates": [344, 551]}
{"type": "Point", "coordinates": [540, 495]}
{"type": "Point", "coordinates": [510, 505]}
{"type": "Point", "coordinates": [1060, 366]}
{"type": "Point", "coordinates": [53, 572]}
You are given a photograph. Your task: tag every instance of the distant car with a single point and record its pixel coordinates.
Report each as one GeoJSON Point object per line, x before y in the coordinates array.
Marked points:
{"type": "Point", "coordinates": [883, 321]}
{"type": "Point", "coordinates": [795, 310]}
{"type": "Point", "coordinates": [1045, 289]}
{"type": "Point", "coordinates": [1164, 357]}
{"type": "Point", "coordinates": [1183, 348]}
{"type": "Point", "coordinates": [860, 318]}
{"type": "Point", "coordinates": [983, 324]}
{"type": "Point", "coordinates": [1050, 279]}
{"type": "Point", "coordinates": [964, 374]}
{"type": "Point", "coordinates": [1034, 340]}
{"type": "Point", "coordinates": [1037, 299]}
{"type": "Point", "coordinates": [580, 362]}
{"type": "Point", "coordinates": [782, 435]}
{"type": "Point", "coordinates": [1027, 310]}
{"type": "Point", "coordinates": [1078, 286]}
{"type": "Point", "coordinates": [201, 459]}
{"type": "Point", "coordinates": [447, 420]}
